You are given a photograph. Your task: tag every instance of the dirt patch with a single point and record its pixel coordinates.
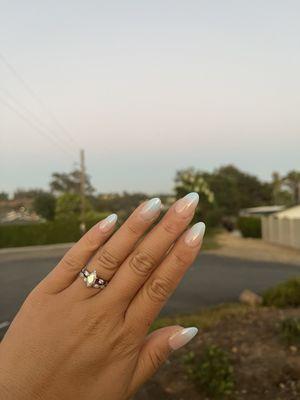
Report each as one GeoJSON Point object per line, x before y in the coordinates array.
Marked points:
{"type": "Point", "coordinates": [264, 368]}
{"type": "Point", "coordinates": [254, 249]}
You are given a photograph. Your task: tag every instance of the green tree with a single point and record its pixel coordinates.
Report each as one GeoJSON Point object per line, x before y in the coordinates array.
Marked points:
{"type": "Point", "coordinates": [235, 189]}
{"type": "Point", "coordinates": [281, 195]}
{"type": "Point", "coordinates": [70, 183]}
{"type": "Point", "coordinates": [44, 205]}
{"type": "Point", "coordinates": [292, 181]}
{"type": "Point", "coordinates": [4, 196]}
{"type": "Point", "coordinates": [68, 206]}
{"type": "Point", "coordinates": [191, 180]}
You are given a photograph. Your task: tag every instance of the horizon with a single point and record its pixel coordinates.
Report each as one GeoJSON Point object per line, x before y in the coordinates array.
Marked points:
{"type": "Point", "coordinates": [147, 89]}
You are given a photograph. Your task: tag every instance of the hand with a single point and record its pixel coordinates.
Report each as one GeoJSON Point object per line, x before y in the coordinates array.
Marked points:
{"type": "Point", "coordinates": [70, 341]}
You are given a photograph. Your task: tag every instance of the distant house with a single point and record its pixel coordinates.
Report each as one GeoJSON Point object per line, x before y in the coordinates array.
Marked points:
{"type": "Point", "coordinates": [21, 216]}
{"type": "Point", "coordinates": [283, 227]}
{"type": "Point", "coordinates": [290, 213]}
{"type": "Point", "coordinates": [261, 211]}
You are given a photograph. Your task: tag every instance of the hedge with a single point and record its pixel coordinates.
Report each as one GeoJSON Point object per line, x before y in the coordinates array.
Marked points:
{"type": "Point", "coordinates": [250, 226]}
{"type": "Point", "coordinates": [59, 231]}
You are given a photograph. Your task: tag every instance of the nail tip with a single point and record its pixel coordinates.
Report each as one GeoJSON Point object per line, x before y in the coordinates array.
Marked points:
{"type": "Point", "coordinates": [151, 208]}
{"type": "Point", "coordinates": [193, 331]}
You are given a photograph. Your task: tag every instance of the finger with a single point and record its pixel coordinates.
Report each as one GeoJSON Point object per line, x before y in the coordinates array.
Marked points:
{"type": "Point", "coordinates": [111, 255]}
{"type": "Point", "coordinates": [157, 348]}
{"type": "Point", "coordinates": [70, 265]}
{"type": "Point", "coordinates": [164, 280]}
{"type": "Point", "coordinates": [144, 259]}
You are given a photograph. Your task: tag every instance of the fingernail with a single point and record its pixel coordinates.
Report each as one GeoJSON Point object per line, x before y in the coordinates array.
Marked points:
{"type": "Point", "coordinates": [187, 204]}
{"type": "Point", "coordinates": [195, 234]}
{"type": "Point", "coordinates": [150, 209]}
{"type": "Point", "coordinates": [181, 338]}
{"type": "Point", "coordinates": [108, 223]}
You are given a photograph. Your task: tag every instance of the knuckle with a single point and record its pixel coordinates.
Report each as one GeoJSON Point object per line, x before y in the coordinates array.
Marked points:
{"type": "Point", "coordinates": [142, 263]}
{"type": "Point", "coordinates": [70, 263]}
{"type": "Point", "coordinates": [90, 241]}
{"type": "Point", "coordinates": [171, 228]}
{"type": "Point", "coordinates": [133, 229]}
{"type": "Point", "coordinates": [159, 289]}
{"type": "Point", "coordinates": [107, 260]}
{"type": "Point", "coordinates": [180, 260]}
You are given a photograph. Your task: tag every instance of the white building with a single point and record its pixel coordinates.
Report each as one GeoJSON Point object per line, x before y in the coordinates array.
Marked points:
{"type": "Point", "coordinates": [283, 227]}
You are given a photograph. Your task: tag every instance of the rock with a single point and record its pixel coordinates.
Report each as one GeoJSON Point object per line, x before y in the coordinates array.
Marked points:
{"type": "Point", "coordinates": [250, 298]}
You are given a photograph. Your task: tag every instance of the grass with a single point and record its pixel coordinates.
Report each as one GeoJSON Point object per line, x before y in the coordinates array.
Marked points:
{"type": "Point", "coordinates": [290, 330]}
{"type": "Point", "coordinates": [211, 372]}
{"type": "Point", "coordinates": [204, 318]}
{"type": "Point", "coordinates": [286, 294]}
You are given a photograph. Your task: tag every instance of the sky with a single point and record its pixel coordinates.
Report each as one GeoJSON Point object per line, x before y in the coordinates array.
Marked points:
{"type": "Point", "coordinates": [147, 88]}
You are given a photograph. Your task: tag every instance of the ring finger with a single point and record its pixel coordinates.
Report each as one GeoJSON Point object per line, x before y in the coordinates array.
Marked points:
{"type": "Point", "coordinates": [111, 255]}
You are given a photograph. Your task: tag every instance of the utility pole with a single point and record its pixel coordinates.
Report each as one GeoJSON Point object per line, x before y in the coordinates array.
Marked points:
{"type": "Point", "coordinates": [82, 192]}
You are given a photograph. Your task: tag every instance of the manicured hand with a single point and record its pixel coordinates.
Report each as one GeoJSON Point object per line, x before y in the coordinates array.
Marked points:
{"type": "Point", "coordinates": [70, 341]}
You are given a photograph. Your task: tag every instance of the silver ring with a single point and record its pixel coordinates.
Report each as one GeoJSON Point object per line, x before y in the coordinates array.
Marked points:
{"type": "Point", "coordinates": [91, 279]}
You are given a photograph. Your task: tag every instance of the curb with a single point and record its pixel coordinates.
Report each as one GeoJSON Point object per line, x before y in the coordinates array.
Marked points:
{"type": "Point", "coordinates": [28, 249]}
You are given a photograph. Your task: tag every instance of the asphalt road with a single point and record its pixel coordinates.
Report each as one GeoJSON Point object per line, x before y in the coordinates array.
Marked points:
{"type": "Point", "coordinates": [212, 280]}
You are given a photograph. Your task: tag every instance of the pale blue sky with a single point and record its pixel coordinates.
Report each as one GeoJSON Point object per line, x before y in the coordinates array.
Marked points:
{"type": "Point", "coordinates": [148, 87]}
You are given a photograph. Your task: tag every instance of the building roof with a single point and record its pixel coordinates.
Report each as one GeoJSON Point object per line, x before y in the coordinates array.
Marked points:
{"type": "Point", "coordinates": [262, 210]}
{"type": "Point", "coordinates": [291, 213]}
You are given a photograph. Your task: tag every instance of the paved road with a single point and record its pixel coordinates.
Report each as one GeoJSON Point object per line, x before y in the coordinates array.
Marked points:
{"type": "Point", "coordinates": [212, 280]}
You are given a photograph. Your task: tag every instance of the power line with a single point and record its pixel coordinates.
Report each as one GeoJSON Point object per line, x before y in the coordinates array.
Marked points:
{"type": "Point", "coordinates": [37, 128]}
{"type": "Point", "coordinates": [37, 99]}
{"type": "Point", "coordinates": [33, 116]}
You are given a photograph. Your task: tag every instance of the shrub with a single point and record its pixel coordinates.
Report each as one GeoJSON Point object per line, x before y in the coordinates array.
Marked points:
{"type": "Point", "coordinates": [212, 373]}
{"type": "Point", "coordinates": [290, 330]}
{"type": "Point", "coordinates": [58, 231]}
{"type": "Point", "coordinates": [286, 294]}
{"type": "Point", "coordinates": [250, 226]}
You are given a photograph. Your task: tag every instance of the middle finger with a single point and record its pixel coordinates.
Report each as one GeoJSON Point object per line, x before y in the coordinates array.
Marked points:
{"type": "Point", "coordinates": [144, 259]}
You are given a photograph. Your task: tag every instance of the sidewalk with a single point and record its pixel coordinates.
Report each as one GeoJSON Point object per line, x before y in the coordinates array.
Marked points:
{"type": "Point", "coordinates": [254, 249]}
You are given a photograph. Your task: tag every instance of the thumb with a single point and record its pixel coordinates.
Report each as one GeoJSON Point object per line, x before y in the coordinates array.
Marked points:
{"type": "Point", "coordinates": [157, 348]}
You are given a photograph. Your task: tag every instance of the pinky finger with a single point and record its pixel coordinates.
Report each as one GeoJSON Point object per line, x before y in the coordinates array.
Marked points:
{"type": "Point", "coordinates": [78, 256]}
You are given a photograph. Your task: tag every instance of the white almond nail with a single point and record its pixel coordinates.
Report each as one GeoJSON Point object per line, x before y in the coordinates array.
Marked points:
{"type": "Point", "coordinates": [181, 338]}
{"type": "Point", "coordinates": [195, 234]}
{"type": "Point", "coordinates": [151, 209]}
{"type": "Point", "coordinates": [107, 224]}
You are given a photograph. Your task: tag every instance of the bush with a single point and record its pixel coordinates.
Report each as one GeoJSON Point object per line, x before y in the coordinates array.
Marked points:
{"type": "Point", "coordinates": [250, 226]}
{"type": "Point", "coordinates": [58, 231]}
{"type": "Point", "coordinates": [286, 294]}
{"type": "Point", "coordinates": [212, 373]}
{"type": "Point", "coordinates": [290, 330]}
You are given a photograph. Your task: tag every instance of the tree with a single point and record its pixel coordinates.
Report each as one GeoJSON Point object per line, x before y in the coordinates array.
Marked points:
{"type": "Point", "coordinates": [4, 196]}
{"type": "Point", "coordinates": [68, 206]}
{"type": "Point", "coordinates": [21, 194]}
{"type": "Point", "coordinates": [70, 183]}
{"type": "Point", "coordinates": [44, 205]}
{"type": "Point", "coordinates": [224, 192]}
{"type": "Point", "coordinates": [191, 180]}
{"type": "Point", "coordinates": [235, 189]}
{"type": "Point", "coordinates": [281, 194]}
{"type": "Point", "coordinates": [292, 181]}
